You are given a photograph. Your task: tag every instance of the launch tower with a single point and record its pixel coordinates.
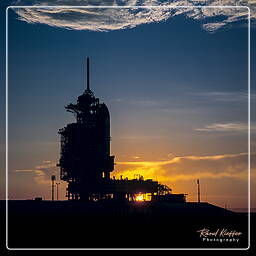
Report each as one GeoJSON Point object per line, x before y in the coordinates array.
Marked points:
{"type": "Point", "coordinates": [85, 146]}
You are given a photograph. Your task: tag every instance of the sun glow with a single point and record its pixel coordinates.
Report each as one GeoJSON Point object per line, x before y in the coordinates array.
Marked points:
{"type": "Point", "coordinates": [139, 198]}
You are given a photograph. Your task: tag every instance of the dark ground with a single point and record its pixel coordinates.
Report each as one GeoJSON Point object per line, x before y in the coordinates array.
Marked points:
{"type": "Point", "coordinates": [66, 224]}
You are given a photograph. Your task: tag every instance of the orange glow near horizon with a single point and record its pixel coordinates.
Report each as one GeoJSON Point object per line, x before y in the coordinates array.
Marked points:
{"type": "Point", "coordinates": [216, 172]}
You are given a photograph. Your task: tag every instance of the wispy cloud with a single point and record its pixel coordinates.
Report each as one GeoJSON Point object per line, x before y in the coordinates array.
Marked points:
{"type": "Point", "coordinates": [140, 137]}
{"type": "Point", "coordinates": [37, 172]}
{"type": "Point", "coordinates": [189, 167]}
{"type": "Point", "coordinates": [42, 172]}
{"type": "Point", "coordinates": [225, 127]}
{"type": "Point", "coordinates": [38, 175]}
{"type": "Point", "coordinates": [224, 96]}
{"type": "Point", "coordinates": [107, 19]}
{"type": "Point", "coordinates": [141, 102]}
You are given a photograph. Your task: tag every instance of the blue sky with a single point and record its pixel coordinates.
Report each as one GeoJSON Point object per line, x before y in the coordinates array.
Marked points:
{"type": "Point", "coordinates": [173, 89]}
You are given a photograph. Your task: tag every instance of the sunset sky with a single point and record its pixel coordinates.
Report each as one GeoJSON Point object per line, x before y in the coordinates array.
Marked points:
{"type": "Point", "coordinates": [175, 86]}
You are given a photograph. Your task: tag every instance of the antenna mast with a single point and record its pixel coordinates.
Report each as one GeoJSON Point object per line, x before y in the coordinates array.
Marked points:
{"type": "Point", "coordinates": [198, 191]}
{"type": "Point", "coordinates": [88, 75]}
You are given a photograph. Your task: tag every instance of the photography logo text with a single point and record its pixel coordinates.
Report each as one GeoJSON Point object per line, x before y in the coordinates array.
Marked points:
{"type": "Point", "coordinates": [219, 235]}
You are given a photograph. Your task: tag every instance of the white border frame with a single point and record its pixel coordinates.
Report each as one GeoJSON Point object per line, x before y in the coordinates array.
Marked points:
{"type": "Point", "coordinates": [249, 120]}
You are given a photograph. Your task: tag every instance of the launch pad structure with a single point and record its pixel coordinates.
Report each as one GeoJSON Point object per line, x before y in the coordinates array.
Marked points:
{"type": "Point", "coordinates": [86, 163]}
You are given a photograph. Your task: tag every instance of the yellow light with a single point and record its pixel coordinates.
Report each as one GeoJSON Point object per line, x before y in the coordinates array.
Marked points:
{"type": "Point", "coordinates": [139, 198]}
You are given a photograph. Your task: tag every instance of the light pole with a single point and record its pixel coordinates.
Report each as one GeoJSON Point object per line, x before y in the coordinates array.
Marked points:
{"type": "Point", "coordinates": [53, 178]}
{"type": "Point", "coordinates": [198, 191]}
{"type": "Point", "coordinates": [57, 184]}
